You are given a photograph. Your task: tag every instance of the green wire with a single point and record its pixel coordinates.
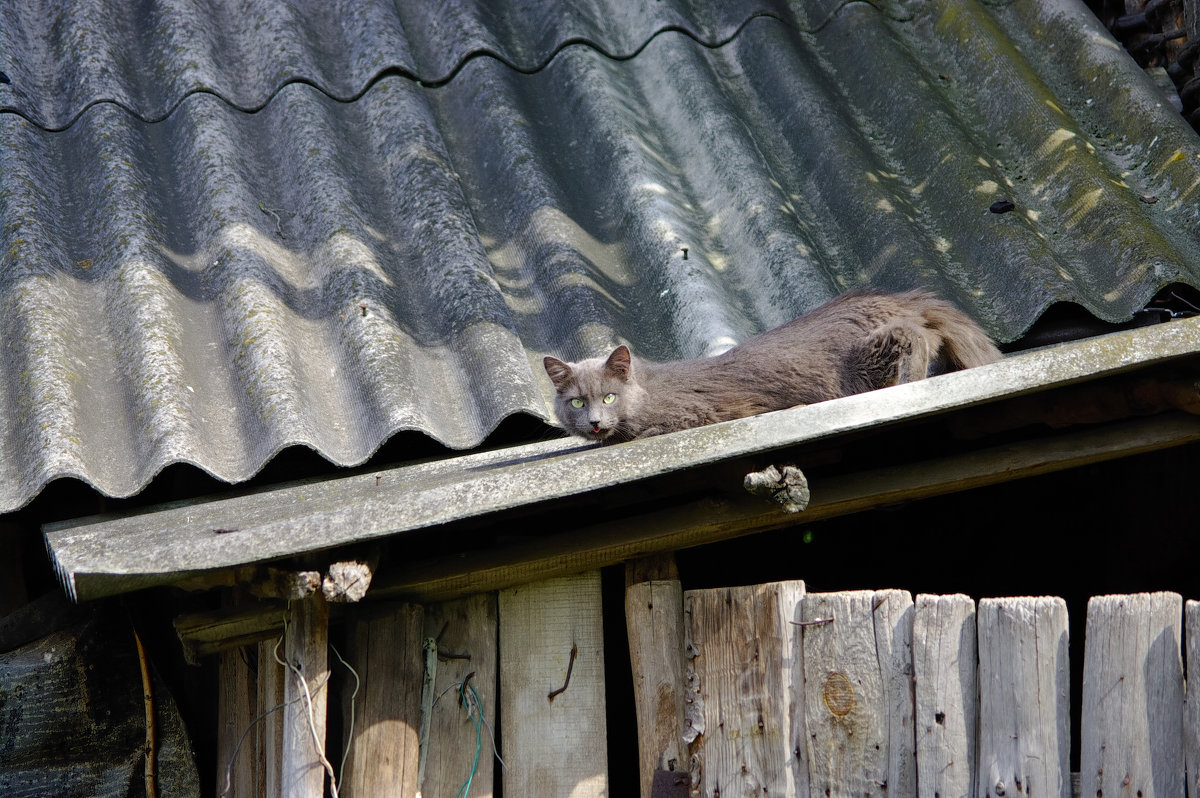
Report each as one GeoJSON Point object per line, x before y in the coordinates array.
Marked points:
{"type": "Point", "coordinates": [478, 718]}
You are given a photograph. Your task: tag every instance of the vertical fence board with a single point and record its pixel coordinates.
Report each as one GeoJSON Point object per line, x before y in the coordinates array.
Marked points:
{"type": "Point", "coordinates": [465, 631]}
{"type": "Point", "coordinates": [1132, 727]}
{"type": "Point", "coordinates": [269, 742]}
{"type": "Point", "coordinates": [1024, 706]}
{"type": "Point", "coordinates": [306, 640]}
{"type": "Point", "coordinates": [237, 703]}
{"type": "Point", "coordinates": [858, 693]}
{"type": "Point", "coordinates": [1191, 727]}
{"type": "Point", "coordinates": [553, 746]}
{"type": "Point", "coordinates": [947, 695]}
{"type": "Point", "coordinates": [654, 619]}
{"type": "Point", "coordinates": [745, 680]}
{"type": "Point", "coordinates": [386, 650]}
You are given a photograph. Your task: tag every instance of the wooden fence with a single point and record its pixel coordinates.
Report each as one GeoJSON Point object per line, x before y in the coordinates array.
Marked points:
{"type": "Point", "coordinates": [759, 691]}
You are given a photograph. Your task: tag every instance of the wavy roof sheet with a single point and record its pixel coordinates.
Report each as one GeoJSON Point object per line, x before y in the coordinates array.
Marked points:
{"type": "Point", "coordinates": [229, 232]}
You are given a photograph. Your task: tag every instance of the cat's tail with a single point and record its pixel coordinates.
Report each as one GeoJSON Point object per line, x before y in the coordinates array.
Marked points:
{"type": "Point", "coordinates": [964, 342]}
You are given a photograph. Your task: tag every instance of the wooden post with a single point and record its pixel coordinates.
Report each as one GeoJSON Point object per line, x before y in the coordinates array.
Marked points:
{"type": "Point", "coordinates": [552, 688]}
{"type": "Point", "coordinates": [1131, 734]}
{"type": "Point", "coordinates": [745, 680]}
{"type": "Point", "coordinates": [1024, 702]}
{"type": "Point", "coordinates": [654, 620]}
{"type": "Point", "coordinates": [387, 652]}
{"type": "Point", "coordinates": [237, 701]}
{"type": "Point", "coordinates": [465, 631]}
{"type": "Point", "coordinates": [306, 640]}
{"type": "Point", "coordinates": [947, 696]}
{"type": "Point", "coordinates": [858, 695]}
{"type": "Point", "coordinates": [1191, 725]}
{"type": "Point", "coordinates": [270, 708]}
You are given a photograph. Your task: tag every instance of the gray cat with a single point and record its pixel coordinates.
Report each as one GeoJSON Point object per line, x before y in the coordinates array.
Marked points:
{"type": "Point", "coordinates": [857, 342]}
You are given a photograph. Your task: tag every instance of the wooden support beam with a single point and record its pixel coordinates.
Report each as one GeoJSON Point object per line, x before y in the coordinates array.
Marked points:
{"type": "Point", "coordinates": [552, 693]}
{"type": "Point", "coordinates": [654, 620]}
{"type": "Point", "coordinates": [735, 513]}
{"type": "Point", "coordinates": [722, 516]}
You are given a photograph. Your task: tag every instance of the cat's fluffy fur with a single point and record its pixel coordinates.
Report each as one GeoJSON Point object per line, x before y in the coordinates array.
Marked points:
{"type": "Point", "coordinates": [857, 342]}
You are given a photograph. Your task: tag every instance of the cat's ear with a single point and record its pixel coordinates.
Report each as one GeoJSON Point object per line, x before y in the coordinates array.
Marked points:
{"type": "Point", "coordinates": [618, 363]}
{"type": "Point", "coordinates": [560, 373]}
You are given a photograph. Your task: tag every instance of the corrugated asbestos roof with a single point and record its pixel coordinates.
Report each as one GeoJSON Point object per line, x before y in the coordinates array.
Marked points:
{"type": "Point", "coordinates": [236, 227]}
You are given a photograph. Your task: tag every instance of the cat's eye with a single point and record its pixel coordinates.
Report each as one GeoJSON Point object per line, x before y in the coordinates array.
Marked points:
{"type": "Point", "coordinates": [576, 403]}
{"type": "Point", "coordinates": [609, 398]}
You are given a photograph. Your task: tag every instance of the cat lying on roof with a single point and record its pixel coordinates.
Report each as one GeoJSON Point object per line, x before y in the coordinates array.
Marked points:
{"type": "Point", "coordinates": [855, 343]}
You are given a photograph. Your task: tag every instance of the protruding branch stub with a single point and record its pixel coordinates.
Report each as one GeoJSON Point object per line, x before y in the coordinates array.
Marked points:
{"type": "Point", "coordinates": [786, 486]}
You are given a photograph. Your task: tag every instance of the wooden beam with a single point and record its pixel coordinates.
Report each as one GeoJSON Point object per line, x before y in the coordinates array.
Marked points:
{"type": "Point", "coordinates": [721, 516]}
{"type": "Point", "coordinates": [731, 514]}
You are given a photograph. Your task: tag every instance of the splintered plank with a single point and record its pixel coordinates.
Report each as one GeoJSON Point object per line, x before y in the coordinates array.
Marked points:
{"type": "Point", "coordinates": [552, 710]}
{"type": "Point", "coordinates": [460, 738]}
{"type": "Point", "coordinates": [745, 681]}
{"type": "Point", "coordinates": [386, 650]}
{"type": "Point", "coordinates": [1024, 677]}
{"type": "Point", "coordinates": [1191, 727]}
{"type": "Point", "coordinates": [654, 619]}
{"type": "Point", "coordinates": [947, 697]}
{"type": "Point", "coordinates": [1131, 734]}
{"type": "Point", "coordinates": [858, 694]}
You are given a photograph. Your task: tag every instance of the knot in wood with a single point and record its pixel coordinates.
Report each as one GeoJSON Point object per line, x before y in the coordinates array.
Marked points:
{"type": "Point", "coordinates": [786, 486]}
{"type": "Point", "coordinates": [838, 693]}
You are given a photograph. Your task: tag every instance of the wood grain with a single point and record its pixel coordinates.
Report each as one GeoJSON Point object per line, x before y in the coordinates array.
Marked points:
{"type": "Point", "coordinates": [1131, 734]}
{"type": "Point", "coordinates": [553, 746]}
{"type": "Point", "coordinates": [745, 681]}
{"type": "Point", "coordinates": [947, 695]}
{"type": "Point", "coordinates": [654, 620]}
{"type": "Point", "coordinates": [1024, 717]}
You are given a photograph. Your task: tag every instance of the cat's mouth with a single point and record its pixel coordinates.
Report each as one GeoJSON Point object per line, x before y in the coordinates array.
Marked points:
{"type": "Point", "coordinates": [600, 433]}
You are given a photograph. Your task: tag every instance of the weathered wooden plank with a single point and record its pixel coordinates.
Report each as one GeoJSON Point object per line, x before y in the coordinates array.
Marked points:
{"type": "Point", "coordinates": [460, 738]}
{"type": "Point", "coordinates": [1191, 726]}
{"type": "Point", "coordinates": [723, 517]}
{"type": "Point", "coordinates": [1131, 734]}
{"type": "Point", "coordinates": [269, 742]}
{"type": "Point", "coordinates": [947, 695]}
{"type": "Point", "coordinates": [237, 698]}
{"type": "Point", "coordinates": [306, 642]}
{"type": "Point", "coordinates": [654, 619]}
{"type": "Point", "coordinates": [1024, 698]}
{"type": "Point", "coordinates": [745, 680]}
{"type": "Point", "coordinates": [858, 693]}
{"type": "Point", "coordinates": [552, 712]}
{"type": "Point", "coordinates": [386, 649]}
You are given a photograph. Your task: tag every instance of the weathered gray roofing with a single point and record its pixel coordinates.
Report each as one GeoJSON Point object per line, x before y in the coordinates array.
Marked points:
{"type": "Point", "coordinates": [226, 233]}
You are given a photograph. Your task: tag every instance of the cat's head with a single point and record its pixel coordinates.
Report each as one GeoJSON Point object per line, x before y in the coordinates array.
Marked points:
{"type": "Point", "coordinates": [595, 396]}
